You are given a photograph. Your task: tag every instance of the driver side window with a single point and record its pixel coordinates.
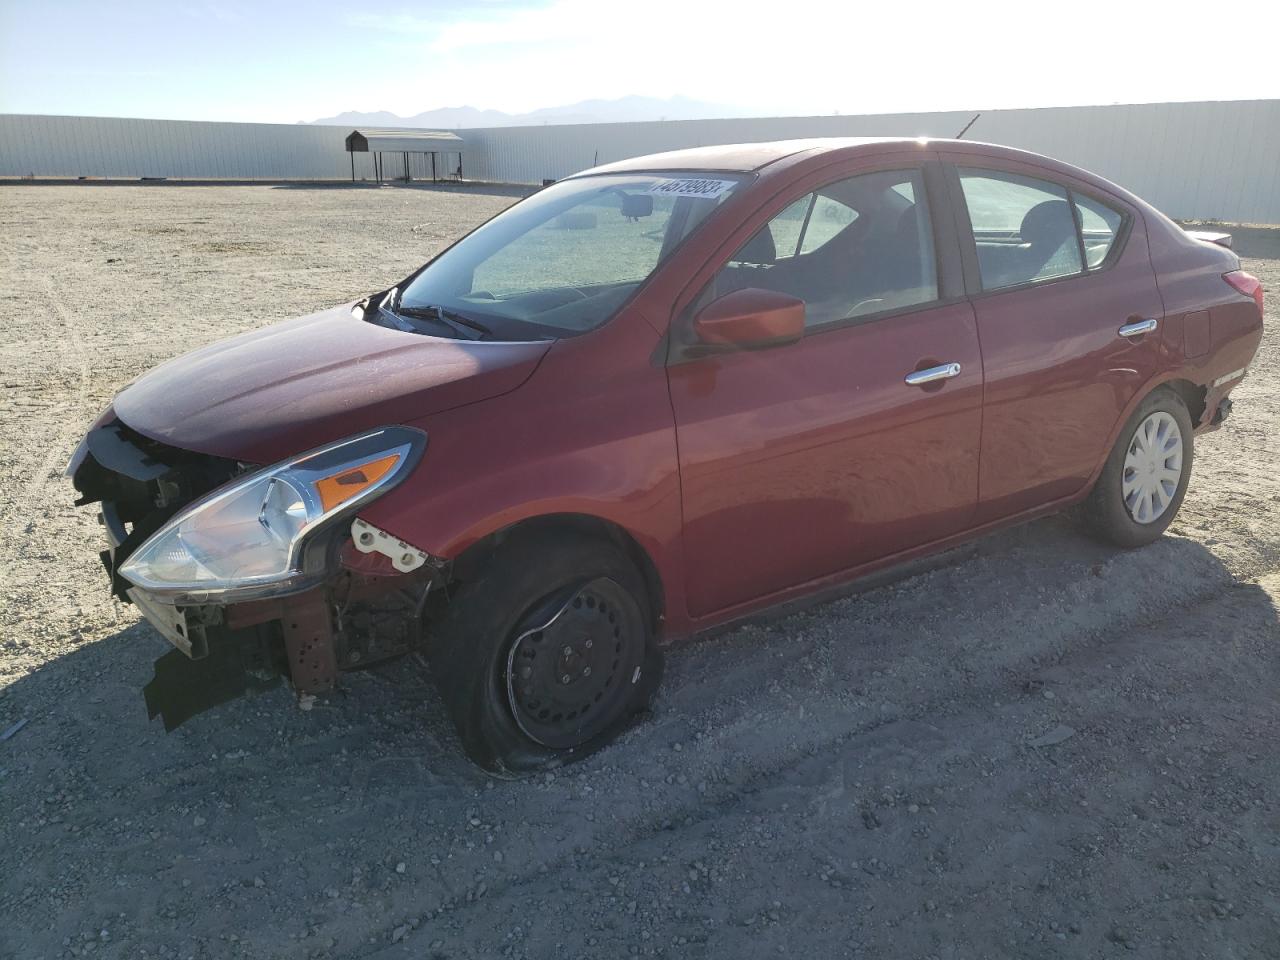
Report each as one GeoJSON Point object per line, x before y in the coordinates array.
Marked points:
{"type": "Point", "coordinates": [853, 248]}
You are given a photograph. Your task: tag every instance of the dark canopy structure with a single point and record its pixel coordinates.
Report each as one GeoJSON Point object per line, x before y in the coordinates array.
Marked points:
{"type": "Point", "coordinates": [414, 146]}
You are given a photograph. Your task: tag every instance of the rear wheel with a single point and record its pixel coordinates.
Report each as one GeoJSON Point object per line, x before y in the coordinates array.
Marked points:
{"type": "Point", "coordinates": [548, 654]}
{"type": "Point", "coordinates": [1145, 477]}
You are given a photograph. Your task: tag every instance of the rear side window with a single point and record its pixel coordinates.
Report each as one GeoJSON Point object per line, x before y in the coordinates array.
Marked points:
{"type": "Point", "coordinates": [807, 224]}
{"type": "Point", "coordinates": [1099, 227]}
{"type": "Point", "coordinates": [855, 247]}
{"type": "Point", "coordinates": [1024, 228]}
{"type": "Point", "coordinates": [787, 227]}
{"type": "Point", "coordinates": [827, 218]}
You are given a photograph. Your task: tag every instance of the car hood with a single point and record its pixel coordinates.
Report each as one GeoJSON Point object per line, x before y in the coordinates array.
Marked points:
{"type": "Point", "coordinates": [286, 388]}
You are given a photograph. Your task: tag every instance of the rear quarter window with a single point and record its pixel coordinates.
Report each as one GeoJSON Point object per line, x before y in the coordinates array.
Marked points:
{"type": "Point", "coordinates": [1099, 228]}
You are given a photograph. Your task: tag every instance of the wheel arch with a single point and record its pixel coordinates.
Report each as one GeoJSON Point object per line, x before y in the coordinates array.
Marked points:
{"type": "Point", "coordinates": [1192, 395]}
{"type": "Point", "coordinates": [1189, 392]}
{"type": "Point", "coordinates": [551, 525]}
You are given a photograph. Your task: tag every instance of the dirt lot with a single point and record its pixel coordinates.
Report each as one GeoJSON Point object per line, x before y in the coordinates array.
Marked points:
{"type": "Point", "coordinates": [1043, 748]}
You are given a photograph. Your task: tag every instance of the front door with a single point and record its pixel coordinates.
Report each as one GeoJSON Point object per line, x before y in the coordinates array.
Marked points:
{"type": "Point", "coordinates": [809, 459]}
{"type": "Point", "coordinates": [1065, 309]}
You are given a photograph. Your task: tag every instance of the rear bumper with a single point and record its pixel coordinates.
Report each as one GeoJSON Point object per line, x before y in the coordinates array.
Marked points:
{"type": "Point", "coordinates": [1217, 401]}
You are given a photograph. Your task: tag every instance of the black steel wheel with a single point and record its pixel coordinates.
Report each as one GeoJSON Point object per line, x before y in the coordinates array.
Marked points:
{"type": "Point", "coordinates": [547, 653]}
{"type": "Point", "coordinates": [568, 667]}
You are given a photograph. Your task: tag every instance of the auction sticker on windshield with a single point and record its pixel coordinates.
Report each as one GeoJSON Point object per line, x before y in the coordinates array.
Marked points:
{"type": "Point", "coordinates": [685, 187]}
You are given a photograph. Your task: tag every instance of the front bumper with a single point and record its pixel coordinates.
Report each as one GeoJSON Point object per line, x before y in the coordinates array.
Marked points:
{"type": "Point", "coordinates": [210, 664]}
{"type": "Point", "coordinates": [188, 634]}
{"type": "Point", "coordinates": [221, 652]}
{"type": "Point", "coordinates": [173, 624]}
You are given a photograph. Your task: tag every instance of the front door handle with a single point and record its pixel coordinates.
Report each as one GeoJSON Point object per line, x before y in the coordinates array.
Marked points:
{"type": "Point", "coordinates": [918, 378]}
{"type": "Point", "coordinates": [1138, 327]}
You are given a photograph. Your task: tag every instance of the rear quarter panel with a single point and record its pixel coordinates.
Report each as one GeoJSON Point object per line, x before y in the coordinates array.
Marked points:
{"type": "Point", "coordinates": [1211, 329]}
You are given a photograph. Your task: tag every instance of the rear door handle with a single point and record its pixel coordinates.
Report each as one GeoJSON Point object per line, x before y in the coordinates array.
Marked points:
{"type": "Point", "coordinates": [918, 378]}
{"type": "Point", "coordinates": [1138, 328]}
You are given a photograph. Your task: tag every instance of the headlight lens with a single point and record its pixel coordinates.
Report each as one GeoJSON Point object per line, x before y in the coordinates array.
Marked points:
{"type": "Point", "coordinates": [246, 538]}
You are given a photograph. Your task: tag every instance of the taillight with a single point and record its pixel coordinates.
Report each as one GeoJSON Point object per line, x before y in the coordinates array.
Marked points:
{"type": "Point", "coordinates": [1247, 284]}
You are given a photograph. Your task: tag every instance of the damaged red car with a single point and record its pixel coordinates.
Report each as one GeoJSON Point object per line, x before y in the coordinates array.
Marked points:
{"type": "Point", "coordinates": [651, 399]}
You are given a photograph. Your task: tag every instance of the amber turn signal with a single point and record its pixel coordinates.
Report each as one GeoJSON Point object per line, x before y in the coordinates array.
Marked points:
{"type": "Point", "coordinates": [340, 487]}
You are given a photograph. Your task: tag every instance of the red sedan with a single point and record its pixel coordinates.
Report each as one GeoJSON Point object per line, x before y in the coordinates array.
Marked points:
{"type": "Point", "coordinates": [650, 399]}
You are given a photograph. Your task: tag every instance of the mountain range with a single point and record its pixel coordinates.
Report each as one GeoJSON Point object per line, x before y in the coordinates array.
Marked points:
{"type": "Point", "coordinates": [622, 110]}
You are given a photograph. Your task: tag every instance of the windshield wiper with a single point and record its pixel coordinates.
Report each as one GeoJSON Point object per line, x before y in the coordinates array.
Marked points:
{"type": "Point", "coordinates": [471, 329]}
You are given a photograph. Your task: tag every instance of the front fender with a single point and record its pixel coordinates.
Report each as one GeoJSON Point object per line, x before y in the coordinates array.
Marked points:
{"type": "Point", "coordinates": [591, 433]}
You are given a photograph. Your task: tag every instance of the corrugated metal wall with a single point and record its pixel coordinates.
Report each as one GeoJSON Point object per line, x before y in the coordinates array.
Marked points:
{"type": "Point", "coordinates": [178, 149]}
{"type": "Point", "coordinates": [1215, 160]}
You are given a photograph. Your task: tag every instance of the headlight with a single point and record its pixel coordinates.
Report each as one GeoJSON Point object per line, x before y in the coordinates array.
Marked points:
{"type": "Point", "coordinates": [249, 537]}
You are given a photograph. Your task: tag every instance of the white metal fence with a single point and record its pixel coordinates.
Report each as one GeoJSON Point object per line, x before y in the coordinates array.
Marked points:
{"type": "Point", "coordinates": [1212, 160]}
{"type": "Point", "coordinates": [109, 147]}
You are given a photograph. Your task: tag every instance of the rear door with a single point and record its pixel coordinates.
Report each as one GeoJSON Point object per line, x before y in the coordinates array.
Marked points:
{"type": "Point", "coordinates": [1068, 313]}
{"type": "Point", "coordinates": [805, 460]}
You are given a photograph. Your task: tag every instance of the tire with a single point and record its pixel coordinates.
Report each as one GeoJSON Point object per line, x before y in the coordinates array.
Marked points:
{"type": "Point", "coordinates": [1117, 511]}
{"type": "Point", "coordinates": [507, 632]}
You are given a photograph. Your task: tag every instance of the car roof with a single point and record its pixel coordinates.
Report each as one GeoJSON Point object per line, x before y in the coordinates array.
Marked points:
{"type": "Point", "coordinates": [752, 157]}
{"type": "Point", "coordinates": [745, 157]}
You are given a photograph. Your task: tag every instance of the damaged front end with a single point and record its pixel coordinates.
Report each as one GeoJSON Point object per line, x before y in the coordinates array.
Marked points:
{"type": "Point", "coordinates": [256, 573]}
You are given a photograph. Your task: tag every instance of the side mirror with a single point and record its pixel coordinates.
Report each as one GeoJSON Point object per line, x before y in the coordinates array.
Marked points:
{"type": "Point", "coordinates": [751, 318]}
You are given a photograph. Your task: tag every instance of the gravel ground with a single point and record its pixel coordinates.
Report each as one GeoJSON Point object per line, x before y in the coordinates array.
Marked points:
{"type": "Point", "coordinates": [1042, 748]}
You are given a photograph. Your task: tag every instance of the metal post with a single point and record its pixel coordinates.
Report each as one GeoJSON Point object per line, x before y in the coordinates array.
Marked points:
{"type": "Point", "coordinates": [352, 155]}
{"type": "Point", "coordinates": [434, 178]}
{"type": "Point", "coordinates": [459, 166]}
{"type": "Point", "coordinates": [405, 156]}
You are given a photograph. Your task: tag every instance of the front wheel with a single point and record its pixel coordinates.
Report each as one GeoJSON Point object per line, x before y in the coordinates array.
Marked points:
{"type": "Point", "coordinates": [548, 654]}
{"type": "Point", "coordinates": [1145, 477]}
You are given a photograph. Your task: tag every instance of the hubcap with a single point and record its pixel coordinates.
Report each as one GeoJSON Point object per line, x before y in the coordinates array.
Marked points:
{"type": "Point", "coordinates": [1152, 467]}
{"type": "Point", "coordinates": [568, 671]}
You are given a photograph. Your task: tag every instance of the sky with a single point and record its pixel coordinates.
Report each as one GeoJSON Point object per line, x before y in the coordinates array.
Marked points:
{"type": "Point", "coordinates": [283, 62]}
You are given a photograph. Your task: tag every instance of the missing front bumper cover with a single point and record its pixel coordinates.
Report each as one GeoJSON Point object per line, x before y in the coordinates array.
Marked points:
{"type": "Point", "coordinates": [238, 662]}
{"type": "Point", "coordinates": [189, 633]}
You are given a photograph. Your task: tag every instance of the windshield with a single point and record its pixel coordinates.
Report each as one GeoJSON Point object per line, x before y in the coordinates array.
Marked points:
{"type": "Point", "coordinates": [567, 258]}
